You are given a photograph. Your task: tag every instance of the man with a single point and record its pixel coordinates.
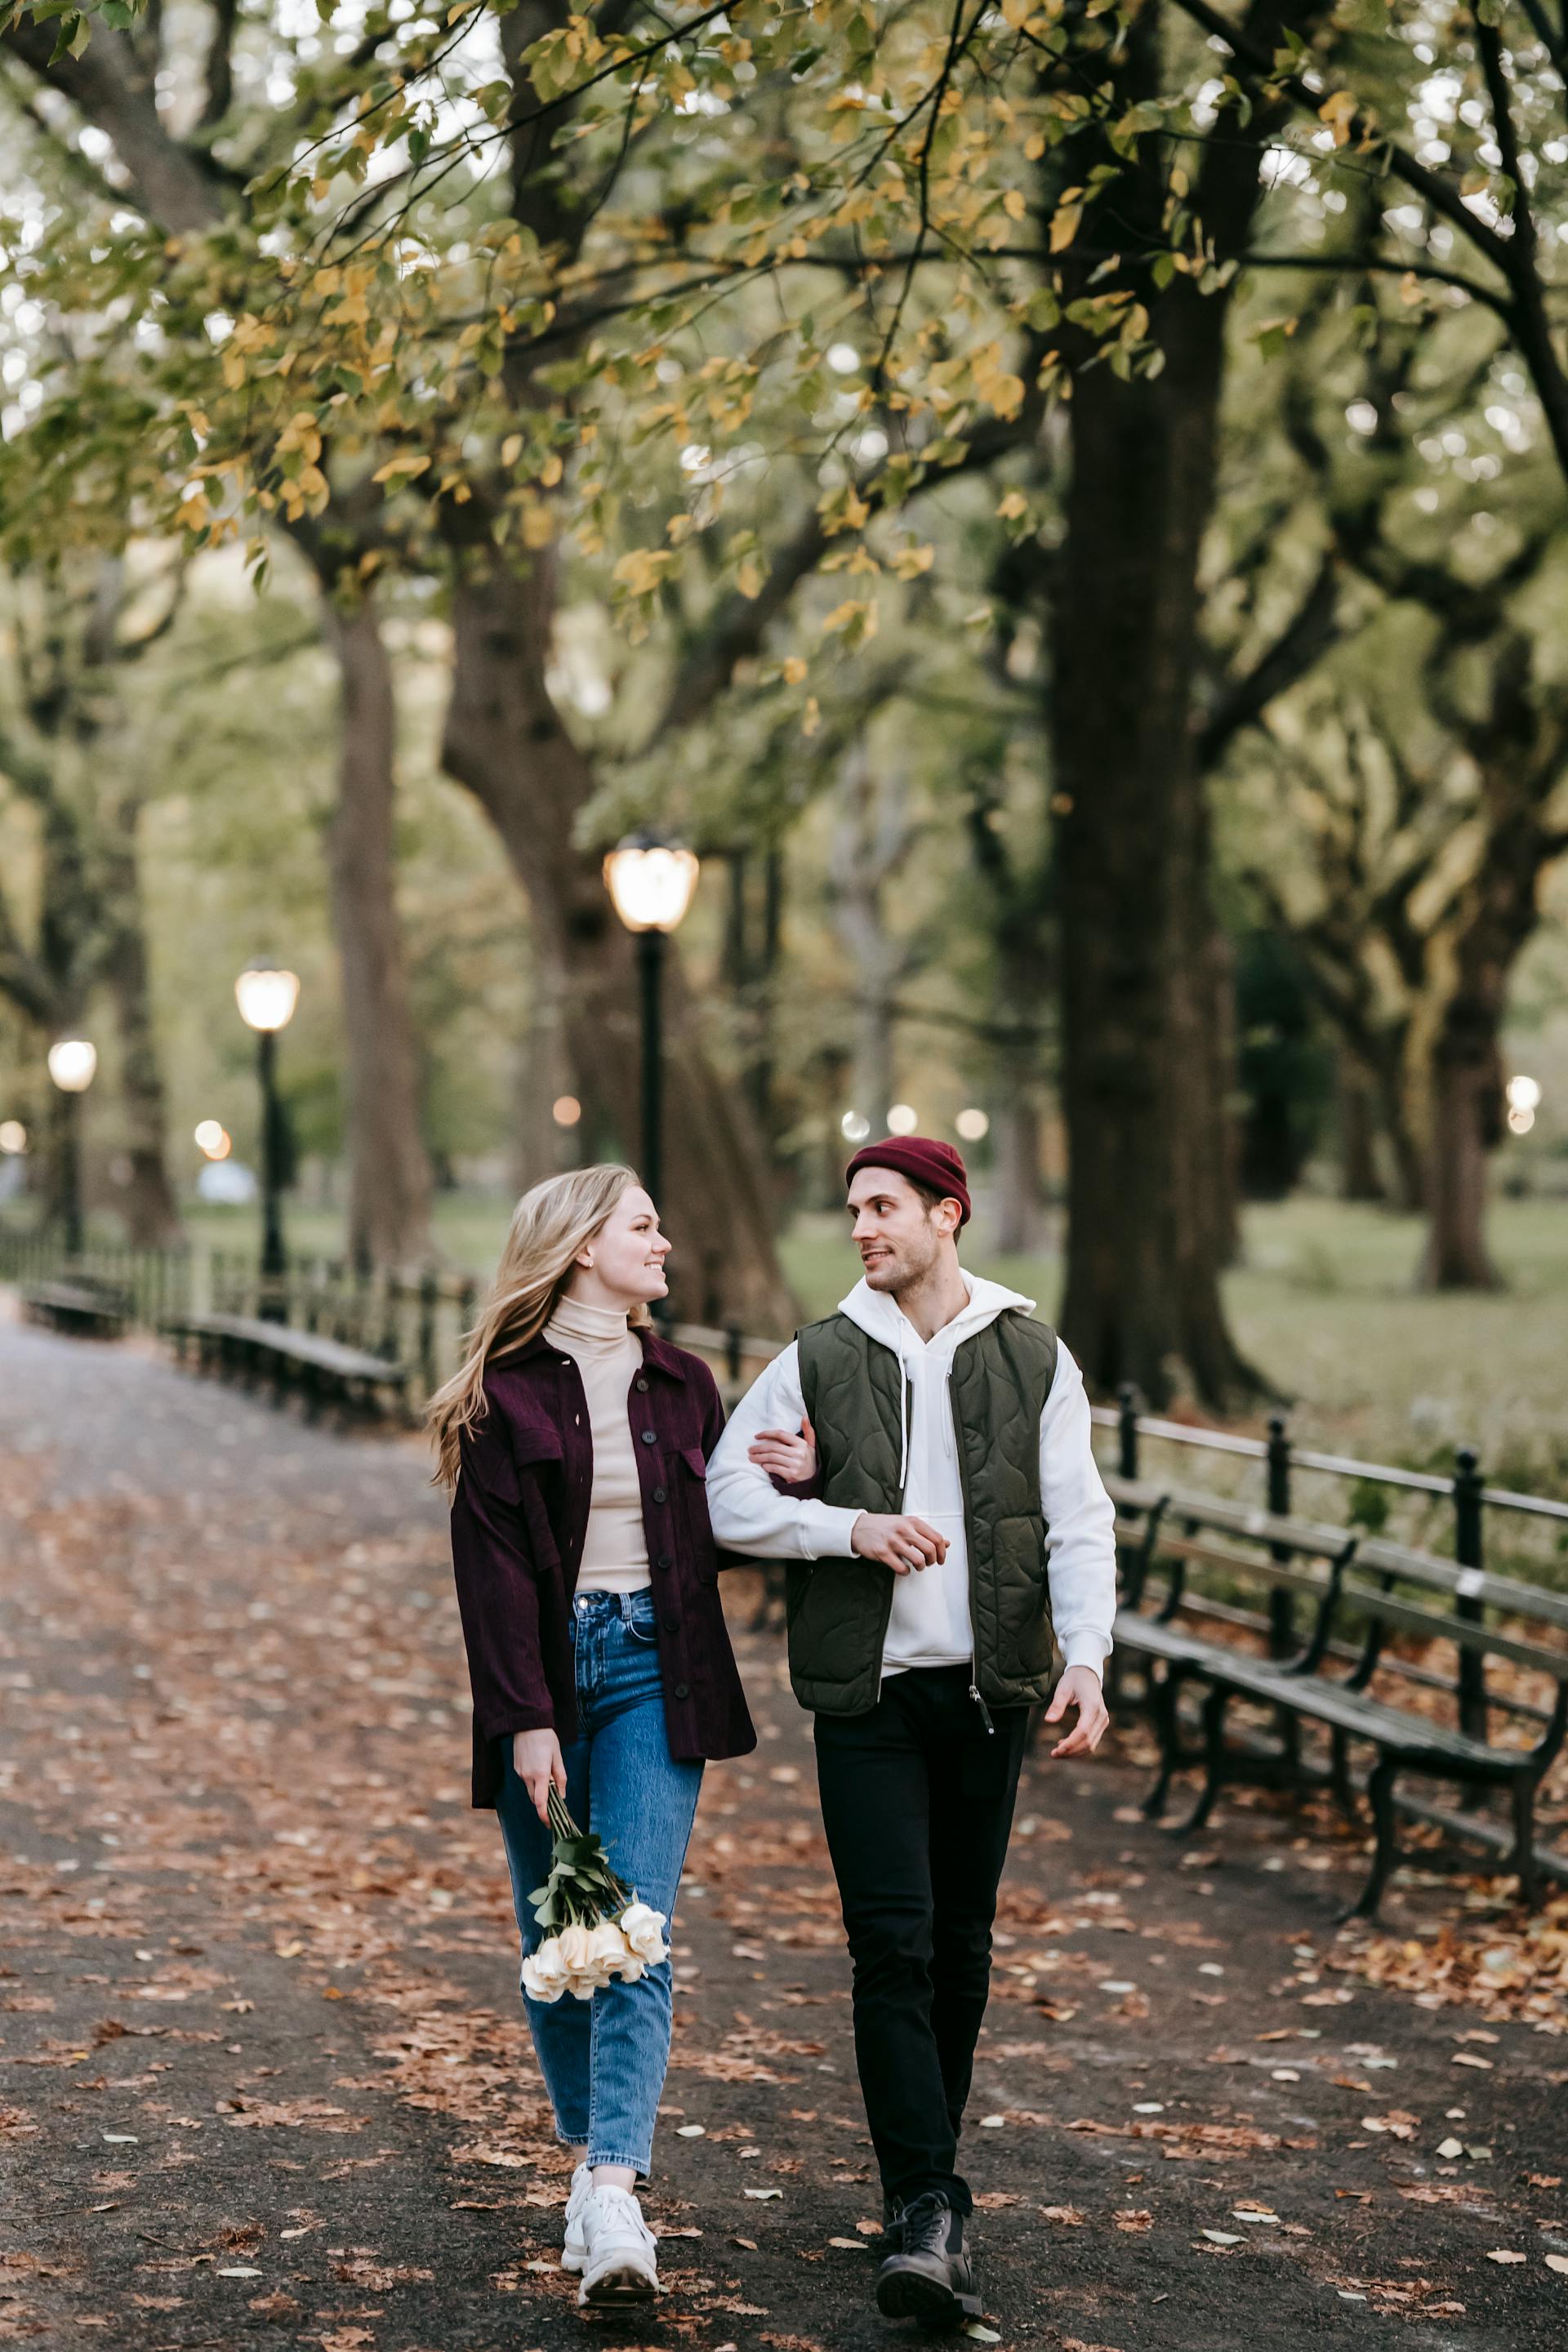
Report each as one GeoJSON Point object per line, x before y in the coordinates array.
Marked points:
{"type": "Point", "coordinates": [958, 1520]}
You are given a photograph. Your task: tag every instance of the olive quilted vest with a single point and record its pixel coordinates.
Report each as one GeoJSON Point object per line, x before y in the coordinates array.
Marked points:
{"type": "Point", "coordinates": [838, 1608]}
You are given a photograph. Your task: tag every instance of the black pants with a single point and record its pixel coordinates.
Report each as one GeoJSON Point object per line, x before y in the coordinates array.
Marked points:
{"type": "Point", "coordinates": [917, 1801]}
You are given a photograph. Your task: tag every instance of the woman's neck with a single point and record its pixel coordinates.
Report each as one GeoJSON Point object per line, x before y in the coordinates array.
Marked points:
{"type": "Point", "coordinates": [601, 1319]}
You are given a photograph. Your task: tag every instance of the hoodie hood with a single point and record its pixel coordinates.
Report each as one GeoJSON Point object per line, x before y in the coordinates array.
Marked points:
{"type": "Point", "coordinates": [878, 1315]}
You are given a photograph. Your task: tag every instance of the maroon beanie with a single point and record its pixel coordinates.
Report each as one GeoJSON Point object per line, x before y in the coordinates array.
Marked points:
{"type": "Point", "coordinates": [923, 1160]}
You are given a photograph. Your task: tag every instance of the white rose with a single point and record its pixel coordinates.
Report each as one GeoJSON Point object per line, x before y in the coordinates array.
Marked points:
{"type": "Point", "coordinates": [643, 1928]}
{"type": "Point", "coordinates": [573, 1941]}
{"type": "Point", "coordinates": [608, 1948]}
{"type": "Point", "coordinates": [544, 1971]}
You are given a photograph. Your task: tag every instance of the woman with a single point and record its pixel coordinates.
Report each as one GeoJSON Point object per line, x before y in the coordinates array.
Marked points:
{"type": "Point", "coordinates": [574, 1442]}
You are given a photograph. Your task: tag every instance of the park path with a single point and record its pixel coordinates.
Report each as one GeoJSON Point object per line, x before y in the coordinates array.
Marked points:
{"type": "Point", "coordinates": [263, 2078]}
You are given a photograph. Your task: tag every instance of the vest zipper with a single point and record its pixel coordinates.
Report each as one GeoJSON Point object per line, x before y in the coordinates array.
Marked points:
{"type": "Point", "coordinates": [985, 1710]}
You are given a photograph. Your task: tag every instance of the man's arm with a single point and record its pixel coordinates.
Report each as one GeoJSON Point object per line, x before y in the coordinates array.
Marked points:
{"type": "Point", "coordinates": [748, 1513]}
{"type": "Point", "coordinates": [1081, 1544]}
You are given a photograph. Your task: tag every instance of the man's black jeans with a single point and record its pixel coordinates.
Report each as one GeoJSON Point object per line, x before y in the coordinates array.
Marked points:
{"type": "Point", "coordinates": [917, 1801]}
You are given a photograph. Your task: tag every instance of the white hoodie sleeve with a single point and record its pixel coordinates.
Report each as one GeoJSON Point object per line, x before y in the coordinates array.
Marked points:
{"type": "Point", "coordinates": [1081, 1519]}
{"type": "Point", "coordinates": [747, 1511]}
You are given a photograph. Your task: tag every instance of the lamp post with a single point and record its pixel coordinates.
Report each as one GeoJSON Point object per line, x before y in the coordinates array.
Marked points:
{"type": "Point", "coordinates": [651, 881]}
{"type": "Point", "coordinates": [267, 994]}
{"type": "Point", "coordinates": [73, 1061]}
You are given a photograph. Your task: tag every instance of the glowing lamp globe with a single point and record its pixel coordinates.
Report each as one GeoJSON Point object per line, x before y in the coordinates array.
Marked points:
{"type": "Point", "coordinates": [651, 881]}
{"type": "Point", "coordinates": [73, 1063]}
{"type": "Point", "coordinates": [267, 994]}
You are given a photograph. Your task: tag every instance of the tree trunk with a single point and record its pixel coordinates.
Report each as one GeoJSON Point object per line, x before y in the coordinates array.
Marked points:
{"type": "Point", "coordinates": [1020, 1210]}
{"type": "Point", "coordinates": [540, 1145]}
{"type": "Point", "coordinates": [1149, 1225]}
{"type": "Point", "coordinates": [390, 1181]}
{"type": "Point", "coordinates": [1466, 1096]}
{"type": "Point", "coordinates": [1360, 1179]}
{"type": "Point", "coordinates": [505, 743]}
{"type": "Point", "coordinates": [1151, 1189]}
{"type": "Point", "coordinates": [147, 1202]}
{"type": "Point", "coordinates": [872, 838]}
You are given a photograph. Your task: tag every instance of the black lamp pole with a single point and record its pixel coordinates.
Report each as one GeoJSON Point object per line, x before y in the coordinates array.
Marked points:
{"type": "Point", "coordinates": [274, 1264]}
{"type": "Point", "coordinates": [70, 1169]}
{"type": "Point", "coordinates": [650, 966]}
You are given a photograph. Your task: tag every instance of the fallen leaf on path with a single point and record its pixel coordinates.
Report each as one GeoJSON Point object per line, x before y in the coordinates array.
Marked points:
{"type": "Point", "coordinates": [1471, 2058]}
{"type": "Point", "coordinates": [1222, 2237]}
{"type": "Point", "coordinates": [1505, 2254]}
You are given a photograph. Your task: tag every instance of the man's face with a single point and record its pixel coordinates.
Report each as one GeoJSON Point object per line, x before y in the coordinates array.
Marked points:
{"type": "Point", "coordinates": [898, 1238]}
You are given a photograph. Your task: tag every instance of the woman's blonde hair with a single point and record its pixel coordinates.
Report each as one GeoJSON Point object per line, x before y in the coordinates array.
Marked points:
{"type": "Point", "coordinates": [549, 1225]}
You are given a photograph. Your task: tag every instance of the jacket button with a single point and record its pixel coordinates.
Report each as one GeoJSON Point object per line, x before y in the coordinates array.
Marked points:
{"type": "Point", "coordinates": [642, 1387]}
{"type": "Point", "coordinates": [682, 1690]}
{"type": "Point", "coordinates": [650, 1437]}
{"type": "Point", "coordinates": [660, 1495]}
{"type": "Point", "coordinates": [665, 1559]}
{"type": "Point", "coordinates": [672, 1624]}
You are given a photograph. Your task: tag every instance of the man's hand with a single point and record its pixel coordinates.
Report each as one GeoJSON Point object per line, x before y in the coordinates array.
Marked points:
{"type": "Point", "coordinates": [1080, 1687]}
{"type": "Point", "coordinates": [792, 1457]}
{"type": "Point", "coordinates": [536, 1760]}
{"type": "Point", "coordinates": [898, 1541]}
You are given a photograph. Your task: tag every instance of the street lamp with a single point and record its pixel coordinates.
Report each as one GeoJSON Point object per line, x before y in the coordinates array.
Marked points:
{"type": "Point", "coordinates": [73, 1061]}
{"type": "Point", "coordinates": [267, 995]}
{"type": "Point", "coordinates": [651, 881]}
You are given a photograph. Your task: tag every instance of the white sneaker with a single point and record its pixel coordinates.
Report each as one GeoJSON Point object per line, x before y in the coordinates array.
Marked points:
{"type": "Point", "coordinates": [619, 2257]}
{"type": "Point", "coordinates": [574, 2252]}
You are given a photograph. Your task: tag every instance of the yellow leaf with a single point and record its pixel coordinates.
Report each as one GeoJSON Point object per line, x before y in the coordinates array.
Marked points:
{"type": "Point", "coordinates": [749, 580]}
{"type": "Point", "coordinates": [911, 562]}
{"type": "Point", "coordinates": [511, 449]}
{"type": "Point", "coordinates": [550, 473]}
{"type": "Point", "coordinates": [408, 463]}
{"type": "Point", "coordinates": [1064, 225]}
{"type": "Point", "coordinates": [1339, 111]}
{"type": "Point", "coordinates": [813, 719]}
{"type": "Point", "coordinates": [1012, 204]}
{"type": "Point", "coordinates": [1013, 506]}
{"type": "Point", "coordinates": [794, 669]}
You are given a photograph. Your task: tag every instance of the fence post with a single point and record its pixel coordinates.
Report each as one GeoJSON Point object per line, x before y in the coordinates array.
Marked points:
{"type": "Point", "coordinates": [467, 1303]}
{"type": "Point", "coordinates": [1469, 1552]}
{"type": "Point", "coordinates": [734, 1352]}
{"type": "Point", "coordinates": [427, 1343]}
{"type": "Point", "coordinates": [1127, 1431]}
{"type": "Point", "coordinates": [1282, 1604]}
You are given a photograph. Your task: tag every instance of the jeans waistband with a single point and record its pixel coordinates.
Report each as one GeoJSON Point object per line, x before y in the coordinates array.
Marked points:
{"type": "Point", "coordinates": [613, 1604]}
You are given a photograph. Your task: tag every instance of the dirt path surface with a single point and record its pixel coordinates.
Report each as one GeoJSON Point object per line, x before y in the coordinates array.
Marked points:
{"type": "Point", "coordinates": [264, 2078]}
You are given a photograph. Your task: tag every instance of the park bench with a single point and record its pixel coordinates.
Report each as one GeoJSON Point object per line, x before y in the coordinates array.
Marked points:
{"type": "Point", "coordinates": [323, 1369]}
{"type": "Point", "coordinates": [1311, 1631]}
{"type": "Point", "coordinates": [79, 1303]}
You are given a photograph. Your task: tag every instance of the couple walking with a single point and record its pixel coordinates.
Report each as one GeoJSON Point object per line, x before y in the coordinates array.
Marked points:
{"type": "Point", "coordinates": [921, 1461]}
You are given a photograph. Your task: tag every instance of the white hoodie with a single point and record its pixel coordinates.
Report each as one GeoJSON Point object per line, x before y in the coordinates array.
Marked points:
{"type": "Point", "coordinates": [929, 1625]}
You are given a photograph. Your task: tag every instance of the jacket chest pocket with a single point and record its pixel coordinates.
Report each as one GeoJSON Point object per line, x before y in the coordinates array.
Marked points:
{"type": "Point", "coordinates": [686, 1476]}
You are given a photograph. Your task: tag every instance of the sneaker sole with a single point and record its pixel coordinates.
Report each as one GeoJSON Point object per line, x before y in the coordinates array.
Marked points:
{"type": "Point", "coordinates": [907, 2295]}
{"type": "Point", "coordinates": [617, 2289]}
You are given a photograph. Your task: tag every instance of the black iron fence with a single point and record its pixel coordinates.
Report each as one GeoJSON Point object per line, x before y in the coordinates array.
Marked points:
{"type": "Point", "coordinates": [1453, 1512]}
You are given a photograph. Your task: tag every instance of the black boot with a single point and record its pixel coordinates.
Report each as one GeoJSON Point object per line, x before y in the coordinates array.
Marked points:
{"type": "Point", "coordinates": [892, 2236]}
{"type": "Point", "coordinates": [928, 2278]}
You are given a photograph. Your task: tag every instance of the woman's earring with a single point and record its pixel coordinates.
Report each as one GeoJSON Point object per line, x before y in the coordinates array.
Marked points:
{"type": "Point", "coordinates": [588, 1260]}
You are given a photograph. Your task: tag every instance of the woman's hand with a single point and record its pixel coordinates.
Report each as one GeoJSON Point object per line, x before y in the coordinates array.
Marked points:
{"type": "Point", "coordinates": [782, 1456]}
{"type": "Point", "coordinates": [536, 1760]}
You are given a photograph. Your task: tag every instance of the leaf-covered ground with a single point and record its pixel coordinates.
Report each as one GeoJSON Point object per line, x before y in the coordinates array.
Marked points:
{"type": "Point", "coordinates": [264, 2079]}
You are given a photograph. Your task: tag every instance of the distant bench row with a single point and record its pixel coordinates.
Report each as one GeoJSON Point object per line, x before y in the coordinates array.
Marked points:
{"type": "Point", "coordinates": [1295, 1619]}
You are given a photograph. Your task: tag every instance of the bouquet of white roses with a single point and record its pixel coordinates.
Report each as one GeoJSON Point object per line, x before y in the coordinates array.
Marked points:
{"type": "Point", "coordinates": [599, 1930]}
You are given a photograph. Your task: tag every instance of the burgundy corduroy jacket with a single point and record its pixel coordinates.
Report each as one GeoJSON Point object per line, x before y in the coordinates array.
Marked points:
{"type": "Point", "coordinates": [520, 1517]}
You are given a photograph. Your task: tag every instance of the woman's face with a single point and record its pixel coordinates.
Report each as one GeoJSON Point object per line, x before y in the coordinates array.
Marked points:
{"type": "Point", "coordinates": [623, 1263]}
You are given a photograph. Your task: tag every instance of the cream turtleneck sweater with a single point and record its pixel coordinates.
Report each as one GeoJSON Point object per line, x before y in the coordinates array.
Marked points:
{"type": "Point", "coordinates": [608, 1355]}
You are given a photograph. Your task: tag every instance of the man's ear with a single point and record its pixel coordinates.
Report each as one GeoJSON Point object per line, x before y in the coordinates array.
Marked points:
{"type": "Point", "coordinates": [949, 1213]}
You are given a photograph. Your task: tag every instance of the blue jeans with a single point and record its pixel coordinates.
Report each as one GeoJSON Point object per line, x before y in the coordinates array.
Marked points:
{"type": "Point", "coordinates": [603, 2060]}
